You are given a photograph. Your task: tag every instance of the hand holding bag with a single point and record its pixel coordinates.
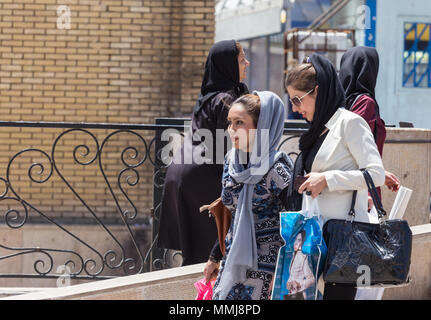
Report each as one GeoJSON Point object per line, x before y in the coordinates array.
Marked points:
{"type": "Point", "coordinates": [204, 289]}
{"type": "Point", "coordinates": [354, 248]}
{"type": "Point", "coordinates": [223, 218]}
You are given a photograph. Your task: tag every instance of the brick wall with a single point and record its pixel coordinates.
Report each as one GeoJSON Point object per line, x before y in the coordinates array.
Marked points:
{"type": "Point", "coordinates": [121, 61]}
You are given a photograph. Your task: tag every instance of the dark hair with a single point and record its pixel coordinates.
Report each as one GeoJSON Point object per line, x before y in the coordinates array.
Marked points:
{"type": "Point", "coordinates": [303, 235]}
{"type": "Point", "coordinates": [251, 103]}
{"type": "Point", "coordinates": [302, 77]}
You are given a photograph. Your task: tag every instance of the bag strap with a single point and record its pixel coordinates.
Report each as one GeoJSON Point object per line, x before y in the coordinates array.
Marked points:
{"type": "Point", "coordinates": [352, 206]}
{"type": "Point", "coordinates": [374, 195]}
{"type": "Point", "coordinates": [373, 192]}
{"type": "Point", "coordinates": [295, 199]}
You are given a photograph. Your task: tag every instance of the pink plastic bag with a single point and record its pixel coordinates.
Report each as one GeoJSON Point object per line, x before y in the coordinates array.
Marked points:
{"type": "Point", "coordinates": [205, 290]}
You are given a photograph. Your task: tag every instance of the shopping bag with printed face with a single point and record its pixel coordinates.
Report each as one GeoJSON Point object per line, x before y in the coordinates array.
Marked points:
{"type": "Point", "coordinates": [301, 259]}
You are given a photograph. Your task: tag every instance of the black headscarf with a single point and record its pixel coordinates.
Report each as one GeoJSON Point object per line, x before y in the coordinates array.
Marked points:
{"type": "Point", "coordinates": [330, 97]}
{"type": "Point", "coordinates": [358, 73]}
{"type": "Point", "coordinates": [221, 72]}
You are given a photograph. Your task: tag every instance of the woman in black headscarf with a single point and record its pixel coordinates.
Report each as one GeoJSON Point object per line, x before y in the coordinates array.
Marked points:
{"type": "Point", "coordinates": [329, 98]}
{"type": "Point", "coordinates": [358, 75]}
{"type": "Point", "coordinates": [189, 186]}
{"type": "Point", "coordinates": [334, 149]}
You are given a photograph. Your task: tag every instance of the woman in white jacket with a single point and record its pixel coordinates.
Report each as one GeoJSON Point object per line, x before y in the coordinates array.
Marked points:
{"type": "Point", "coordinates": [337, 145]}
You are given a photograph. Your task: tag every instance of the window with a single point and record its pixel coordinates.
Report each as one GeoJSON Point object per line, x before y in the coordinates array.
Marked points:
{"type": "Point", "coordinates": [276, 65]}
{"type": "Point", "coordinates": [266, 56]}
{"type": "Point", "coordinates": [259, 64]}
{"type": "Point", "coordinates": [416, 60]}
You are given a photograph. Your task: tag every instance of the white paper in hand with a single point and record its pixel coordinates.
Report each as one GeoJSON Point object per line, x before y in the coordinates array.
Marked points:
{"type": "Point", "coordinates": [400, 203]}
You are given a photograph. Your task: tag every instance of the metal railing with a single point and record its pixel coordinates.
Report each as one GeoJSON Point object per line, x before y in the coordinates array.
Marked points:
{"type": "Point", "coordinates": [88, 144]}
{"type": "Point", "coordinates": [89, 151]}
{"type": "Point", "coordinates": [88, 147]}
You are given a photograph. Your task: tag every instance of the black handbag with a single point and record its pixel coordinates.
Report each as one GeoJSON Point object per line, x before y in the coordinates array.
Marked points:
{"type": "Point", "coordinates": [383, 249]}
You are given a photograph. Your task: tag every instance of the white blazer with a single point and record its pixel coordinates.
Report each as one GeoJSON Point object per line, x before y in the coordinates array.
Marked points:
{"type": "Point", "coordinates": [348, 147]}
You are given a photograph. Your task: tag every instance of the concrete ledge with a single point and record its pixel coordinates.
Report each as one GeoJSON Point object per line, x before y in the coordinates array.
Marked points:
{"type": "Point", "coordinates": [420, 230]}
{"type": "Point", "coordinates": [170, 284]}
{"type": "Point", "coordinates": [420, 269]}
{"type": "Point", "coordinates": [177, 283]}
{"type": "Point", "coordinates": [7, 292]}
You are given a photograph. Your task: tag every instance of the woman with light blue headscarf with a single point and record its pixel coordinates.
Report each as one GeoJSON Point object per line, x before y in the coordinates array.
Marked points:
{"type": "Point", "coordinates": [255, 180]}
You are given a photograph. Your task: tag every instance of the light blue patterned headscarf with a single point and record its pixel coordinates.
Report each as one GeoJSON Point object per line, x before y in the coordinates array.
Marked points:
{"type": "Point", "coordinates": [243, 251]}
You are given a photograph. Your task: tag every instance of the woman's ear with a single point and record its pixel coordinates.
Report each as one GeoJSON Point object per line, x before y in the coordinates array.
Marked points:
{"type": "Point", "coordinates": [316, 89]}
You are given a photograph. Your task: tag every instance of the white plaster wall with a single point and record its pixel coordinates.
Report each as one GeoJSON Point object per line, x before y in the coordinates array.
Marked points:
{"type": "Point", "coordinates": [398, 103]}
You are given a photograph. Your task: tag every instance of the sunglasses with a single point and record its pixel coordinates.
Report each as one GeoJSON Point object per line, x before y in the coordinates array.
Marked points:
{"type": "Point", "coordinates": [297, 101]}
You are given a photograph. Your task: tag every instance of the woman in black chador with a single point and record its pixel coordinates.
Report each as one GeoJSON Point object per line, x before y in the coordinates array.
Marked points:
{"type": "Point", "coordinates": [190, 186]}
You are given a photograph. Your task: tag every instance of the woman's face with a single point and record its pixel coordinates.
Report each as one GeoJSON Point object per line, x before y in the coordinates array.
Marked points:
{"type": "Point", "coordinates": [243, 64]}
{"type": "Point", "coordinates": [307, 105]}
{"type": "Point", "coordinates": [298, 242]}
{"type": "Point", "coordinates": [241, 128]}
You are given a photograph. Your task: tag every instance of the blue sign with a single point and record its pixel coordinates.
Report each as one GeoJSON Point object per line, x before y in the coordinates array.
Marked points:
{"type": "Point", "coordinates": [370, 31]}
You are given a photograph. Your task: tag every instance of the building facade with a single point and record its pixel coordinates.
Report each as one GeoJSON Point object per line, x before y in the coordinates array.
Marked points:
{"type": "Point", "coordinates": [259, 25]}
{"type": "Point", "coordinates": [403, 42]}
{"type": "Point", "coordinates": [102, 61]}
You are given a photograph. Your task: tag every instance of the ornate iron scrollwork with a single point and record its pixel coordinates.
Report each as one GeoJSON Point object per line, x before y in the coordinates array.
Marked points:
{"type": "Point", "coordinates": [91, 262]}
